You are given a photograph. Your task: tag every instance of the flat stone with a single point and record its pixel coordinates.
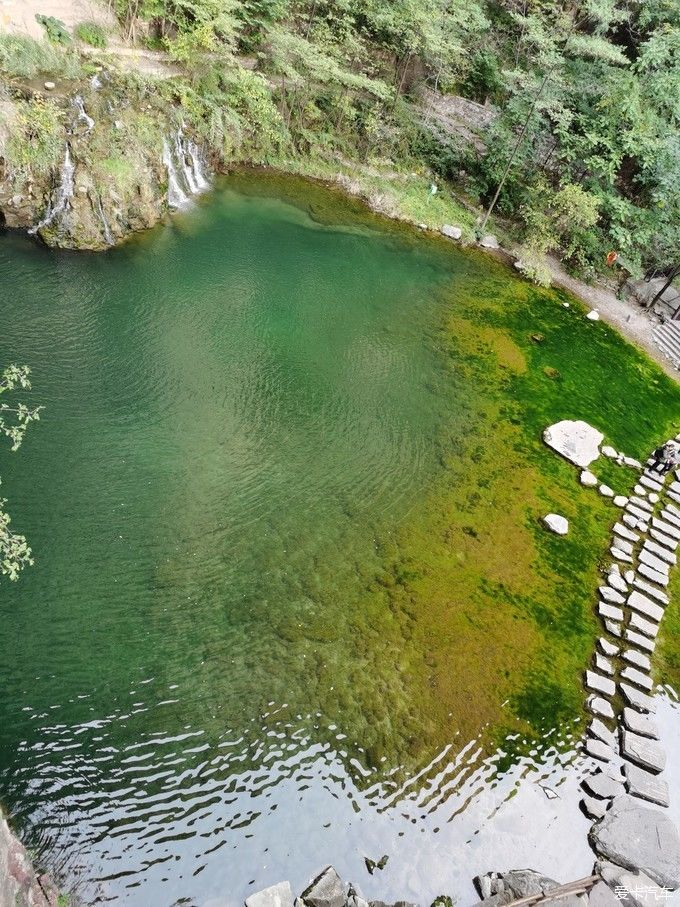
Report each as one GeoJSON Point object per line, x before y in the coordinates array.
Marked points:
{"type": "Point", "coordinates": [623, 545]}
{"type": "Point", "coordinates": [601, 895]}
{"type": "Point", "coordinates": [599, 729]}
{"type": "Point", "coordinates": [602, 785]}
{"type": "Point", "coordinates": [643, 751]}
{"type": "Point", "coordinates": [599, 750]}
{"type": "Point", "coordinates": [671, 508]}
{"type": "Point", "coordinates": [674, 486]}
{"type": "Point", "coordinates": [610, 611]}
{"type": "Point", "coordinates": [632, 656]}
{"type": "Point", "coordinates": [556, 523]}
{"type": "Point", "coordinates": [656, 563]}
{"type": "Point", "coordinates": [608, 648]}
{"type": "Point", "coordinates": [644, 605]}
{"type": "Point", "coordinates": [629, 576]}
{"type": "Point", "coordinates": [600, 684]}
{"type": "Point", "coordinates": [648, 482]}
{"type": "Point", "coordinates": [327, 890]}
{"type": "Point", "coordinates": [642, 503]}
{"type": "Point", "coordinates": [640, 724]}
{"type": "Point", "coordinates": [611, 595]}
{"type": "Point", "coordinates": [666, 527]}
{"type": "Point", "coordinates": [649, 628]}
{"type": "Point", "coordinates": [489, 242]}
{"type": "Point", "coordinates": [670, 516]}
{"type": "Point", "coordinates": [451, 232]}
{"type": "Point", "coordinates": [653, 497]}
{"type": "Point", "coordinates": [645, 785]}
{"type": "Point", "coordinates": [639, 490]}
{"type": "Point", "coordinates": [654, 575]}
{"type": "Point", "coordinates": [620, 500]}
{"type": "Point", "coordinates": [588, 479]}
{"type": "Point", "coordinates": [637, 512]}
{"type": "Point", "coordinates": [674, 496]}
{"type": "Point", "coordinates": [660, 552]}
{"type": "Point", "coordinates": [652, 591]}
{"type": "Point", "coordinates": [632, 462]}
{"type": "Point", "coordinates": [576, 441]}
{"type": "Point", "coordinates": [609, 451]}
{"type": "Point", "coordinates": [603, 664]}
{"type": "Point", "coordinates": [606, 491]}
{"type": "Point", "coordinates": [620, 554]}
{"type": "Point", "coordinates": [599, 706]}
{"type": "Point", "coordinates": [638, 677]}
{"type": "Point", "coordinates": [633, 889]}
{"type": "Point", "coordinates": [637, 639]}
{"type": "Point", "coordinates": [629, 521]}
{"type": "Point", "coordinates": [594, 809]}
{"type": "Point", "coordinates": [612, 627]}
{"type": "Point", "coordinates": [664, 540]}
{"type": "Point", "coordinates": [639, 700]}
{"type": "Point", "coordinates": [280, 895]}
{"type": "Point", "coordinates": [639, 838]}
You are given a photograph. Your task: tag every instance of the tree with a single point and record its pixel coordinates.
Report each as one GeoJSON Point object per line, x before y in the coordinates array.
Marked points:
{"type": "Point", "coordinates": [15, 553]}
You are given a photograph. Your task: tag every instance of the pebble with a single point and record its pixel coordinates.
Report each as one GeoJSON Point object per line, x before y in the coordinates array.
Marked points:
{"type": "Point", "coordinates": [556, 523]}
{"type": "Point", "coordinates": [634, 675]}
{"type": "Point", "coordinates": [600, 684]}
{"type": "Point", "coordinates": [646, 786]}
{"type": "Point", "coordinates": [609, 451]}
{"type": "Point", "coordinates": [653, 497]}
{"type": "Point", "coordinates": [50, 86]}
{"type": "Point", "coordinates": [629, 576]}
{"type": "Point", "coordinates": [640, 490]}
{"type": "Point", "coordinates": [642, 751]}
{"type": "Point", "coordinates": [640, 724]}
{"type": "Point", "coordinates": [593, 315]}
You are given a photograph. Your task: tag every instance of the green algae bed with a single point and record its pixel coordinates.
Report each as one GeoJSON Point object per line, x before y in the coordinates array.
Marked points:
{"type": "Point", "coordinates": [291, 461]}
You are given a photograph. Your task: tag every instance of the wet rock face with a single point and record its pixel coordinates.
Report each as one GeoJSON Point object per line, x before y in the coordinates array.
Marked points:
{"type": "Point", "coordinates": [19, 882]}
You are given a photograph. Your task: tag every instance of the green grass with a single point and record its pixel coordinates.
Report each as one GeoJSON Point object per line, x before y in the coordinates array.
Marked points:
{"type": "Point", "coordinates": [24, 58]}
{"type": "Point", "coordinates": [91, 33]}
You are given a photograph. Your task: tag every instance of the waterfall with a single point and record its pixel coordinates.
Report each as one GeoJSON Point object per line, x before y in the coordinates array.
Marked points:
{"type": "Point", "coordinates": [62, 195]}
{"type": "Point", "coordinates": [106, 230]}
{"type": "Point", "coordinates": [82, 115]}
{"type": "Point", "coordinates": [185, 170]}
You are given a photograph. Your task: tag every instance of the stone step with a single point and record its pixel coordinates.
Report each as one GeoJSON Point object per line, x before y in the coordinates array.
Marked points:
{"type": "Point", "coordinates": [638, 677]}
{"type": "Point", "coordinates": [648, 627]}
{"type": "Point", "coordinates": [642, 503]}
{"type": "Point", "coordinates": [666, 527]}
{"type": "Point", "coordinates": [636, 698]}
{"type": "Point", "coordinates": [599, 750]}
{"type": "Point", "coordinates": [594, 809]}
{"type": "Point", "coordinates": [611, 595]}
{"type": "Point", "coordinates": [656, 563]}
{"type": "Point", "coordinates": [599, 706]}
{"type": "Point", "coordinates": [608, 648]}
{"type": "Point", "coordinates": [642, 751]}
{"type": "Point", "coordinates": [620, 555]}
{"type": "Point", "coordinates": [640, 724]}
{"type": "Point", "coordinates": [603, 785]}
{"type": "Point", "coordinates": [599, 684]}
{"type": "Point", "coordinates": [655, 576]}
{"type": "Point", "coordinates": [612, 612]}
{"type": "Point", "coordinates": [626, 534]}
{"type": "Point", "coordinates": [664, 540]}
{"type": "Point", "coordinates": [633, 657]}
{"type": "Point", "coordinates": [660, 552]}
{"type": "Point", "coordinates": [623, 545]}
{"type": "Point", "coordinates": [599, 729]}
{"type": "Point", "coordinates": [639, 602]}
{"type": "Point", "coordinates": [637, 639]}
{"type": "Point", "coordinates": [612, 627]}
{"type": "Point", "coordinates": [651, 590]}
{"type": "Point", "coordinates": [646, 786]}
{"type": "Point", "coordinates": [602, 664]}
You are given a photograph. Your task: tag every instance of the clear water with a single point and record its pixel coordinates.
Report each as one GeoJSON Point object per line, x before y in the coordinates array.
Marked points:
{"type": "Point", "coordinates": [206, 683]}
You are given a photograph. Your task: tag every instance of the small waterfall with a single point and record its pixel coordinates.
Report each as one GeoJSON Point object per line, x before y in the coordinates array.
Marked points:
{"type": "Point", "coordinates": [62, 195]}
{"type": "Point", "coordinates": [82, 114]}
{"type": "Point", "coordinates": [106, 230]}
{"type": "Point", "coordinates": [185, 170]}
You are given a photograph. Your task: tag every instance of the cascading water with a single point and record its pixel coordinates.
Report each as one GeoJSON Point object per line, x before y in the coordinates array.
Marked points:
{"type": "Point", "coordinates": [83, 116]}
{"type": "Point", "coordinates": [62, 195]}
{"type": "Point", "coordinates": [185, 170]}
{"type": "Point", "coordinates": [106, 230]}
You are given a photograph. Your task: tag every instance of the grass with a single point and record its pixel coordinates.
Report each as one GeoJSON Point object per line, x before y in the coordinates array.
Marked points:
{"type": "Point", "coordinates": [24, 58]}
{"type": "Point", "coordinates": [91, 33]}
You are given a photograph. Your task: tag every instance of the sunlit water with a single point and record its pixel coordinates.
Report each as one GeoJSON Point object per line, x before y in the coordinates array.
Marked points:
{"type": "Point", "coordinates": [239, 411]}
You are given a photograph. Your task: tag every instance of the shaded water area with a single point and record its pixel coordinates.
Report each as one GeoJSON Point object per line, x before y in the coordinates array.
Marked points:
{"type": "Point", "coordinates": [292, 603]}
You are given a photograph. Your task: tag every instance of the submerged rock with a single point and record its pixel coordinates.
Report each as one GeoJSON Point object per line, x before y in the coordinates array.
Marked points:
{"type": "Point", "coordinates": [575, 440]}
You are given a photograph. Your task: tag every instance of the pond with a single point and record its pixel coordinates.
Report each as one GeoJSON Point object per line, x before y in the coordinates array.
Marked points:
{"type": "Point", "coordinates": [292, 602]}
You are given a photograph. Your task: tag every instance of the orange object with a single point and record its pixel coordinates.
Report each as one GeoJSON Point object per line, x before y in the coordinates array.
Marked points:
{"type": "Point", "coordinates": [611, 258]}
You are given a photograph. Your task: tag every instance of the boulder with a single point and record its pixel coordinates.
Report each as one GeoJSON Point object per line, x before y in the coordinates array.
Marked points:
{"type": "Point", "coordinates": [327, 890]}
{"type": "Point", "coordinates": [489, 241]}
{"type": "Point", "coordinates": [279, 895]}
{"type": "Point", "coordinates": [451, 231]}
{"type": "Point", "coordinates": [610, 452]}
{"type": "Point", "coordinates": [556, 523]}
{"type": "Point", "coordinates": [575, 440]}
{"type": "Point", "coordinates": [632, 889]}
{"type": "Point", "coordinates": [606, 491]}
{"type": "Point", "coordinates": [588, 479]}
{"type": "Point", "coordinates": [620, 500]}
{"type": "Point", "coordinates": [641, 839]}
{"type": "Point", "coordinates": [593, 315]}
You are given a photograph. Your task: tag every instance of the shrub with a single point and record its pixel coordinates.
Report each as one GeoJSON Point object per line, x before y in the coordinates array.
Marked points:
{"type": "Point", "coordinates": [37, 140]}
{"type": "Point", "coordinates": [91, 33]}
{"type": "Point", "coordinates": [24, 57]}
{"type": "Point", "coordinates": [55, 29]}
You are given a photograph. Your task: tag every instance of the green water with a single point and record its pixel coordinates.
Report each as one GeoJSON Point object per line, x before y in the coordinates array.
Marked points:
{"type": "Point", "coordinates": [283, 502]}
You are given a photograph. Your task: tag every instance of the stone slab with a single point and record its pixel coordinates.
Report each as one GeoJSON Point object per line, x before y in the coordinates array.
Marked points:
{"type": "Point", "coordinates": [624, 533]}
{"type": "Point", "coordinates": [639, 724]}
{"type": "Point", "coordinates": [602, 664]}
{"type": "Point", "coordinates": [648, 482]}
{"type": "Point", "coordinates": [598, 749]}
{"type": "Point", "coordinates": [608, 648]}
{"type": "Point", "coordinates": [643, 503]}
{"type": "Point", "coordinates": [650, 590]}
{"type": "Point", "coordinates": [575, 440]}
{"type": "Point", "coordinates": [646, 786]}
{"type": "Point", "coordinates": [643, 751]}
{"type": "Point", "coordinates": [654, 575]}
{"type": "Point", "coordinates": [638, 677]}
{"type": "Point", "coordinates": [637, 639]}
{"type": "Point", "coordinates": [674, 496]}
{"type": "Point", "coordinates": [327, 890]}
{"type": "Point", "coordinates": [616, 581]}
{"type": "Point", "coordinates": [611, 595]}
{"type": "Point", "coordinates": [599, 706]}
{"type": "Point", "coordinates": [639, 602]}
{"type": "Point", "coordinates": [663, 539]}
{"type": "Point", "coordinates": [648, 627]}
{"type": "Point", "coordinates": [629, 520]}
{"type": "Point", "coordinates": [633, 889]}
{"type": "Point", "coordinates": [597, 728]}
{"type": "Point", "coordinates": [599, 684]}
{"type": "Point", "coordinates": [603, 785]}
{"type": "Point", "coordinates": [623, 545]}
{"type": "Point", "coordinates": [601, 895]}
{"type": "Point", "coordinates": [612, 627]}
{"type": "Point", "coordinates": [620, 554]}
{"type": "Point", "coordinates": [670, 516]}
{"type": "Point", "coordinates": [666, 527]}
{"type": "Point", "coordinates": [594, 809]}
{"type": "Point", "coordinates": [659, 551]}
{"type": "Point", "coordinates": [609, 611]}
{"type": "Point", "coordinates": [637, 512]}
{"type": "Point", "coordinates": [639, 700]}
{"type": "Point", "coordinates": [639, 659]}
{"type": "Point", "coordinates": [656, 563]}
{"type": "Point", "coordinates": [639, 838]}
{"type": "Point", "coordinates": [280, 895]}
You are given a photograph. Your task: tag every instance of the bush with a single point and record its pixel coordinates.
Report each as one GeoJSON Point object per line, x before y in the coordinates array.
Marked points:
{"type": "Point", "coordinates": [91, 33]}
{"type": "Point", "coordinates": [26, 58]}
{"type": "Point", "coordinates": [37, 139]}
{"type": "Point", "coordinates": [55, 29]}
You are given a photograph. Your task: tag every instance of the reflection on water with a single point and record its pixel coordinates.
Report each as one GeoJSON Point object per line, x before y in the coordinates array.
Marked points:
{"type": "Point", "coordinates": [247, 810]}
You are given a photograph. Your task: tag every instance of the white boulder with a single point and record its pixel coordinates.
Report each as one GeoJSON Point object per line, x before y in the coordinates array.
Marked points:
{"type": "Point", "coordinates": [588, 479]}
{"type": "Point", "coordinates": [451, 231]}
{"type": "Point", "coordinates": [606, 491]}
{"type": "Point", "coordinates": [610, 452]}
{"type": "Point", "coordinates": [593, 315]}
{"type": "Point", "coordinates": [556, 523]}
{"type": "Point", "coordinates": [575, 440]}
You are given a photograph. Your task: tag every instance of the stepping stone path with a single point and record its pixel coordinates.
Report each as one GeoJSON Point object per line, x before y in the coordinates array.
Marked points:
{"type": "Point", "coordinates": [626, 794]}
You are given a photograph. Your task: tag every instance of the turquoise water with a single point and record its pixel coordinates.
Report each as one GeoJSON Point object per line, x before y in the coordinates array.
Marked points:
{"type": "Point", "coordinates": [205, 687]}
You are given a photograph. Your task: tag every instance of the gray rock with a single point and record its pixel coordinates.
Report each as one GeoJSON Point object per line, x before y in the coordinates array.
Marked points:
{"type": "Point", "coordinates": [637, 512]}
{"type": "Point", "coordinates": [451, 231]}
{"type": "Point", "coordinates": [642, 503]}
{"type": "Point", "coordinates": [649, 628]}
{"type": "Point", "coordinates": [625, 533]}
{"type": "Point", "coordinates": [609, 451]}
{"type": "Point", "coordinates": [600, 663]}
{"type": "Point", "coordinates": [601, 895]}
{"type": "Point", "coordinates": [556, 523]}
{"type": "Point", "coordinates": [327, 890]}
{"type": "Point", "coordinates": [633, 889]}
{"type": "Point", "coordinates": [632, 462]}
{"type": "Point", "coordinates": [656, 563]}
{"type": "Point", "coordinates": [600, 684]}
{"type": "Point", "coordinates": [599, 750]}
{"type": "Point", "coordinates": [666, 527]}
{"type": "Point", "coordinates": [629, 520]}
{"type": "Point", "coordinates": [489, 241]}
{"type": "Point", "coordinates": [637, 639]}
{"type": "Point", "coordinates": [651, 590]}
{"type": "Point", "coordinates": [600, 730]}
{"type": "Point", "coordinates": [640, 724]}
{"type": "Point", "coordinates": [639, 602]}
{"type": "Point", "coordinates": [646, 786]}
{"type": "Point", "coordinates": [606, 491]}
{"type": "Point", "coordinates": [639, 490]}
{"type": "Point", "coordinates": [600, 706]}
{"type": "Point", "coordinates": [279, 895]}
{"type": "Point", "coordinates": [632, 656]}
{"type": "Point", "coordinates": [620, 500]}
{"type": "Point", "coordinates": [588, 479]}
{"type": "Point", "coordinates": [593, 808]}
{"type": "Point", "coordinates": [610, 611]}
{"type": "Point", "coordinates": [612, 627]}
{"type": "Point", "coordinates": [659, 551]}
{"type": "Point", "coordinates": [629, 576]}
{"type": "Point", "coordinates": [608, 648]}
{"type": "Point", "coordinates": [654, 575]}
{"type": "Point", "coordinates": [576, 441]}
{"type": "Point", "coordinates": [664, 540]}
{"type": "Point", "coordinates": [647, 482]}
{"type": "Point", "coordinates": [620, 554]}
{"type": "Point", "coordinates": [643, 751]}
{"type": "Point", "coordinates": [639, 838]}
{"type": "Point", "coordinates": [611, 595]}
{"type": "Point", "coordinates": [639, 700]}
{"type": "Point", "coordinates": [616, 581]}
{"type": "Point", "coordinates": [639, 678]}
{"type": "Point", "coordinates": [603, 785]}
{"type": "Point", "coordinates": [669, 514]}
